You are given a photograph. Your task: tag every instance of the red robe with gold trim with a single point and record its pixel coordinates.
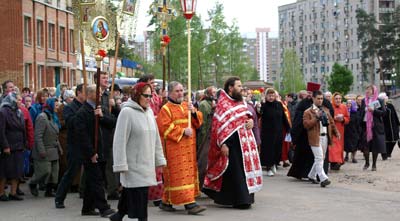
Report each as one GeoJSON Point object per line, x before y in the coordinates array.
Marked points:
{"type": "Point", "coordinates": [230, 116]}
{"type": "Point", "coordinates": [181, 184]}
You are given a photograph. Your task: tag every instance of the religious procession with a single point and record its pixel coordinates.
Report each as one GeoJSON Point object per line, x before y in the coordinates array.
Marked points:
{"type": "Point", "coordinates": [169, 146]}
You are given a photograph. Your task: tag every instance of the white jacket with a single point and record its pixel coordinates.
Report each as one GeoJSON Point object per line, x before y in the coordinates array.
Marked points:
{"type": "Point", "coordinates": [137, 148]}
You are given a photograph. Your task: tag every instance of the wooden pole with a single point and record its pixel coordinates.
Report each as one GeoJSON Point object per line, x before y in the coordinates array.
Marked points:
{"type": "Point", "coordinates": [114, 70]}
{"type": "Point", "coordinates": [189, 75]}
{"type": "Point", "coordinates": [96, 126]}
{"type": "Point", "coordinates": [83, 62]}
{"type": "Point", "coordinates": [164, 76]}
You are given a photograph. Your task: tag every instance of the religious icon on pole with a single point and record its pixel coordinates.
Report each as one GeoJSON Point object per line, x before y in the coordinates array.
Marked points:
{"type": "Point", "coordinates": [86, 14]}
{"type": "Point", "coordinates": [129, 7]}
{"type": "Point", "coordinates": [100, 28]}
{"type": "Point", "coordinates": [87, 2]}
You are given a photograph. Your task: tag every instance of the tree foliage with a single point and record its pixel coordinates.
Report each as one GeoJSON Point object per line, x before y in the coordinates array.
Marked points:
{"type": "Point", "coordinates": [292, 77]}
{"type": "Point", "coordinates": [340, 79]}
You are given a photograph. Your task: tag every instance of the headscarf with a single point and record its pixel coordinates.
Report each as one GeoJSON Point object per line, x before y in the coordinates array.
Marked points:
{"type": "Point", "coordinates": [10, 101]}
{"type": "Point", "coordinates": [353, 108]}
{"type": "Point", "coordinates": [370, 117]}
{"type": "Point", "coordinates": [333, 98]}
{"type": "Point", "coordinates": [49, 109]}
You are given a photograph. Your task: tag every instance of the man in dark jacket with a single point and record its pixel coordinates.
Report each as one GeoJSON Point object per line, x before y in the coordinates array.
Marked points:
{"type": "Point", "coordinates": [303, 157]}
{"type": "Point", "coordinates": [110, 178]}
{"type": "Point", "coordinates": [94, 195]}
{"type": "Point", "coordinates": [74, 158]}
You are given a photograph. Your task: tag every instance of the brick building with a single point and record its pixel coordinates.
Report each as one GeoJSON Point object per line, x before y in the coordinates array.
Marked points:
{"type": "Point", "coordinates": [37, 41]}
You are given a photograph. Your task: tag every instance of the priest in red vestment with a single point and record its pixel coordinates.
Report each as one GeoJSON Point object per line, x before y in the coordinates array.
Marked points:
{"type": "Point", "coordinates": [234, 171]}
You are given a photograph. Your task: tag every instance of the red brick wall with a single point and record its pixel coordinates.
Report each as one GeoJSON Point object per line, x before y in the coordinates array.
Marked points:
{"type": "Point", "coordinates": [11, 41]}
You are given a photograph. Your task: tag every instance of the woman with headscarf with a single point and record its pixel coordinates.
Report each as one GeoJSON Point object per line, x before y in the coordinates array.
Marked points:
{"type": "Point", "coordinates": [392, 123]}
{"type": "Point", "coordinates": [47, 149]}
{"type": "Point", "coordinates": [341, 118]}
{"type": "Point", "coordinates": [352, 132]}
{"type": "Point", "coordinates": [12, 144]}
{"type": "Point", "coordinates": [372, 117]}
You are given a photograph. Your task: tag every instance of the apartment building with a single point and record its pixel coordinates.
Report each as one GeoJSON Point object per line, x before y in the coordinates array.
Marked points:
{"type": "Point", "coordinates": [38, 43]}
{"type": "Point", "coordinates": [323, 32]}
{"type": "Point", "coordinates": [262, 53]}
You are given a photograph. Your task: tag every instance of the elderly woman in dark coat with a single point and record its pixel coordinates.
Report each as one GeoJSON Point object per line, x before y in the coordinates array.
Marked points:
{"type": "Point", "coordinates": [374, 141]}
{"type": "Point", "coordinates": [392, 123]}
{"type": "Point", "coordinates": [12, 144]}
{"type": "Point", "coordinates": [352, 132]}
{"type": "Point", "coordinates": [47, 148]}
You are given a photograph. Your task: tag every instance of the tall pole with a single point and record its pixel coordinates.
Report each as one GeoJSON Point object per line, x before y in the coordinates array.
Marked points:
{"type": "Point", "coordinates": [163, 67]}
{"type": "Point", "coordinates": [169, 65]}
{"type": "Point", "coordinates": [189, 74]}
{"type": "Point", "coordinates": [96, 126]}
{"type": "Point", "coordinates": [84, 75]}
{"type": "Point", "coordinates": [114, 68]}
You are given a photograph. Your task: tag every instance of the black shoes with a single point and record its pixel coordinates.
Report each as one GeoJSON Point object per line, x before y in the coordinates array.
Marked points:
{"type": "Point", "coordinates": [366, 166]}
{"type": "Point", "coordinates": [325, 183]}
{"type": "Point", "coordinates": [116, 217]}
{"type": "Point", "coordinates": [19, 192]}
{"type": "Point", "coordinates": [33, 189]}
{"type": "Point", "coordinates": [15, 197]}
{"type": "Point", "coordinates": [60, 205]}
{"type": "Point", "coordinates": [313, 181]}
{"type": "Point", "coordinates": [107, 213]}
{"type": "Point", "coordinates": [354, 161]}
{"type": "Point", "coordinates": [196, 210]}
{"type": "Point", "coordinates": [4, 198]}
{"type": "Point", "coordinates": [90, 213]}
{"type": "Point", "coordinates": [373, 168]}
{"type": "Point", "coordinates": [166, 207]}
{"type": "Point", "coordinates": [242, 206]}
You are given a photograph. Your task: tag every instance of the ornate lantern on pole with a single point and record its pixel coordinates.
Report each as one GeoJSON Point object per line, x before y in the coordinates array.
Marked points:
{"type": "Point", "coordinates": [188, 9]}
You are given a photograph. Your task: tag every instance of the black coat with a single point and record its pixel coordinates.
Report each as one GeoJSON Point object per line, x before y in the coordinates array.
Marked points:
{"type": "Point", "coordinates": [377, 144]}
{"type": "Point", "coordinates": [69, 114]}
{"type": "Point", "coordinates": [273, 122]}
{"type": "Point", "coordinates": [303, 156]}
{"type": "Point", "coordinates": [352, 132]}
{"type": "Point", "coordinates": [108, 129]}
{"type": "Point", "coordinates": [84, 132]}
{"type": "Point", "coordinates": [392, 123]}
{"type": "Point", "coordinates": [12, 129]}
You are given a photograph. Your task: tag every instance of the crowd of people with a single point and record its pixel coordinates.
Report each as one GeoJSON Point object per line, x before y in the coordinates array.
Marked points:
{"type": "Point", "coordinates": [141, 144]}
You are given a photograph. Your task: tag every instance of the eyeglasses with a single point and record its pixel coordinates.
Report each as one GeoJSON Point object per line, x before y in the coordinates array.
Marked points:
{"type": "Point", "coordinates": [147, 95]}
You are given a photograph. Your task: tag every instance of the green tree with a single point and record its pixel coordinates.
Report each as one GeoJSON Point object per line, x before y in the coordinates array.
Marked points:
{"type": "Point", "coordinates": [292, 77]}
{"type": "Point", "coordinates": [340, 79]}
{"type": "Point", "coordinates": [377, 43]}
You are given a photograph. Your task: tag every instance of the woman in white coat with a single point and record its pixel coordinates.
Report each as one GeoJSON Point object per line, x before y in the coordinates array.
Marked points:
{"type": "Point", "coordinates": [137, 150]}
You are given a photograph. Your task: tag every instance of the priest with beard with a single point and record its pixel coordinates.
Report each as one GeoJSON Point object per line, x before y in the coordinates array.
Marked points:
{"type": "Point", "coordinates": [234, 171]}
{"type": "Point", "coordinates": [303, 157]}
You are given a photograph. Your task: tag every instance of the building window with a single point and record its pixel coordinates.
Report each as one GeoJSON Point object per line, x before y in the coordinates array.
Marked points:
{"type": "Point", "coordinates": [39, 33]}
{"type": "Point", "coordinates": [39, 74]}
{"type": "Point", "coordinates": [62, 39]}
{"type": "Point", "coordinates": [52, 34]}
{"type": "Point", "coordinates": [71, 41]}
{"type": "Point", "coordinates": [27, 75]}
{"type": "Point", "coordinates": [27, 30]}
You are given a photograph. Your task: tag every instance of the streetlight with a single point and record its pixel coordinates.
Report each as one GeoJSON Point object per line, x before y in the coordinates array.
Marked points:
{"type": "Point", "coordinates": [200, 78]}
{"type": "Point", "coordinates": [188, 8]}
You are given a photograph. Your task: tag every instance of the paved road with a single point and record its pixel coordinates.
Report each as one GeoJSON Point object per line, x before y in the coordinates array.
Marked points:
{"type": "Point", "coordinates": [353, 195]}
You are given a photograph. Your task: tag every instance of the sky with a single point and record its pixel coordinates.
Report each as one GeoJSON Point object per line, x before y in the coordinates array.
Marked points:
{"type": "Point", "coordinates": [250, 14]}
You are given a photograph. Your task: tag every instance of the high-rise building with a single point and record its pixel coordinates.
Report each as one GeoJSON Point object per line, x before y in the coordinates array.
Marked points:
{"type": "Point", "coordinates": [323, 32]}
{"type": "Point", "coordinates": [37, 42]}
{"type": "Point", "coordinates": [273, 59]}
{"type": "Point", "coordinates": [249, 49]}
{"type": "Point", "coordinates": [262, 53]}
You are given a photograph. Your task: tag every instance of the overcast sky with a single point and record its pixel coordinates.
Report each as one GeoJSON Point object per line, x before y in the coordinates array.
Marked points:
{"type": "Point", "coordinates": [250, 14]}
